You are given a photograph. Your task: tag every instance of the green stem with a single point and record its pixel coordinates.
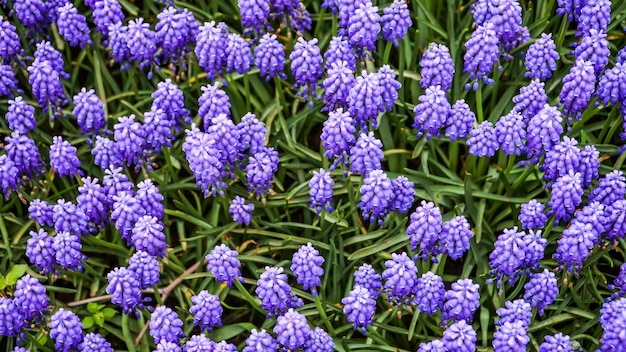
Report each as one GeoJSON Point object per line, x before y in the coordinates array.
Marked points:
{"type": "Point", "coordinates": [126, 332]}
{"type": "Point", "coordinates": [248, 296]}
{"type": "Point", "coordinates": [5, 237]}
{"type": "Point", "coordinates": [387, 53]}
{"type": "Point", "coordinates": [479, 103]}
{"type": "Point", "coordinates": [322, 311]}
{"type": "Point", "coordinates": [246, 84]}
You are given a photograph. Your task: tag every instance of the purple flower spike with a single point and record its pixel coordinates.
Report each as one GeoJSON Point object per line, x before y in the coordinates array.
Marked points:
{"type": "Point", "coordinates": [462, 300]}
{"type": "Point", "coordinates": [130, 138]}
{"type": "Point", "coordinates": [396, 21]}
{"type": "Point", "coordinates": [226, 136]}
{"type": "Point", "coordinates": [124, 286]}
{"type": "Point", "coordinates": [517, 310]}
{"type": "Point", "coordinates": [376, 196]}
{"type": "Point", "coordinates": [11, 321]}
{"type": "Point", "coordinates": [532, 215]}
{"type": "Point", "coordinates": [165, 325]}
{"type": "Point", "coordinates": [42, 212]}
{"type": "Point", "coordinates": [210, 49]}
{"type": "Point", "coordinates": [126, 211]}
{"type": "Point", "coordinates": [541, 58]}
{"type": "Point", "coordinates": [578, 86]}
{"type": "Point", "coordinates": [203, 156]}
{"type": "Point", "coordinates": [24, 154]}
{"type": "Point", "coordinates": [544, 132]}
{"type": "Point", "coordinates": [254, 15]}
{"type": "Point", "coordinates": [400, 278]}
{"type": "Point", "coordinates": [483, 140]}
{"type": "Point", "coordinates": [366, 154]}
{"type": "Point", "coordinates": [146, 267]}
{"type": "Point", "coordinates": [594, 48]}
{"type": "Point", "coordinates": [207, 310]}
{"type": "Point", "coordinates": [368, 278]}
{"type": "Point", "coordinates": [566, 196]}
{"type": "Point", "coordinates": [30, 298]}
{"type": "Point", "coordinates": [530, 100]}
{"type": "Point", "coordinates": [365, 100]}
{"type": "Point", "coordinates": [260, 171]}
{"type": "Point", "coordinates": [115, 182]}
{"type": "Point", "coordinates": [212, 103]}
{"type": "Point", "coordinates": [594, 214]}
{"type": "Point", "coordinates": [31, 13]}
{"type": "Point", "coordinates": [224, 265]}
{"type": "Point", "coordinates": [562, 159]}
{"type": "Point", "coordinates": [541, 290]}
{"type": "Point", "coordinates": [40, 251]}
{"type": "Point", "coordinates": [614, 324]}
{"type": "Point", "coordinates": [199, 343]}
{"type": "Point", "coordinates": [241, 211]}
{"type": "Point", "coordinates": [251, 134]}
{"type": "Point", "coordinates": [511, 337]}
{"type": "Point", "coordinates": [508, 256]}
{"type": "Point", "coordinates": [94, 342]}
{"type": "Point", "coordinates": [610, 188]}
{"type": "Point", "coordinates": [460, 120]}
{"type": "Point", "coordinates": [437, 67]}
{"type": "Point", "coordinates": [175, 31]}
{"type": "Point", "coordinates": [73, 26]}
{"type": "Point", "coordinates": [619, 283]}
{"type": "Point", "coordinates": [404, 192]}
{"type": "Point", "coordinates": [92, 200]}
{"type": "Point", "coordinates": [429, 293]}
{"type": "Point", "coordinates": [67, 251]}
{"type": "Point", "coordinates": [556, 343]}
{"type": "Point", "coordinates": [141, 42]}
{"type": "Point", "coordinates": [66, 330]}
{"type": "Point", "coordinates": [8, 81]}
{"type": "Point", "coordinates": [238, 54]}
{"type": "Point", "coordinates": [339, 49]}
{"type": "Point", "coordinates": [269, 57]}
{"type": "Point", "coordinates": [432, 112]}
{"type": "Point", "coordinates": [483, 52]}
{"type": "Point", "coordinates": [338, 85]}
{"type": "Point", "coordinates": [321, 191]}
{"type": "Point", "coordinates": [106, 13]}
{"type": "Point", "coordinates": [338, 136]}
{"type": "Point", "coordinates": [292, 330]}
{"type": "Point", "coordinates": [9, 175]}
{"type": "Point", "coordinates": [46, 84]}
{"type": "Point", "coordinates": [169, 98]}
{"type": "Point", "coordinates": [364, 27]}
{"type": "Point", "coordinates": [306, 65]}
{"type": "Point", "coordinates": [455, 236]}
{"type": "Point", "coordinates": [432, 346]}
{"type": "Point", "coordinates": [106, 153]}
{"type": "Point", "coordinates": [594, 15]}
{"type": "Point", "coordinates": [307, 267]}
{"type": "Point", "coordinates": [150, 198]}
{"type": "Point", "coordinates": [611, 88]}
{"type": "Point", "coordinates": [574, 245]}
{"type": "Point", "coordinates": [10, 41]}
{"type": "Point", "coordinates": [616, 220]}
{"type": "Point", "coordinates": [259, 341]}
{"type": "Point", "coordinates": [89, 112]}
{"type": "Point", "coordinates": [359, 307]}
{"type": "Point", "coordinates": [63, 157]}
{"type": "Point", "coordinates": [424, 229]}
{"type": "Point", "coordinates": [21, 115]}
{"type": "Point", "coordinates": [511, 133]}
{"type": "Point", "coordinates": [319, 341]}
{"type": "Point", "coordinates": [459, 337]}
{"type": "Point", "coordinates": [389, 86]}
{"type": "Point", "coordinates": [118, 38]}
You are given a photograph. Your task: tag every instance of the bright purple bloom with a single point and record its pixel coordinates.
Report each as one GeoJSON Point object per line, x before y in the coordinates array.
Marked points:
{"type": "Point", "coordinates": [204, 161]}
{"type": "Point", "coordinates": [338, 136]}
{"type": "Point", "coordinates": [147, 235]}
{"type": "Point", "coordinates": [30, 298]}
{"type": "Point", "coordinates": [292, 330]}
{"type": "Point", "coordinates": [240, 210]}
{"type": "Point", "coordinates": [251, 134]}
{"type": "Point", "coordinates": [364, 26]}
{"type": "Point", "coordinates": [571, 8]}
{"type": "Point", "coordinates": [610, 188]}
{"type": "Point", "coordinates": [166, 325]}
{"type": "Point", "coordinates": [69, 218]}
{"type": "Point", "coordinates": [92, 200]}
{"type": "Point", "coordinates": [511, 337]}
{"type": "Point", "coordinates": [566, 196]}
{"type": "Point", "coordinates": [389, 86]}
{"type": "Point", "coordinates": [124, 286]}
{"type": "Point", "coordinates": [106, 153]}
{"type": "Point", "coordinates": [106, 13]}
{"type": "Point", "coordinates": [574, 245]}
{"type": "Point", "coordinates": [141, 42]}
{"type": "Point", "coordinates": [377, 195]}
{"type": "Point", "coordinates": [9, 175]}
{"type": "Point", "coordinates": [508, 256]}
{"type": "Point", "coordinates": [404, 192]}
{"type": "Point", "coordinates": [126, 211]}
{"type": "Point", "coordinates": [400, 278]}
{"type": "Point", "coordinates": [459, 337]}
{"type": "Point", "coordinates": [429, 293]}
{"type": "Point", "coordinates": [541, 290]}
{"type": "Point", "coordinates": [130, 138]}
{"type": "Point", "coordinates": [207, 310]}
{"type": "Point", "coordinates": [594, 214]}
{"type": "Point", "coordinates": [238, 55]}
{"type": "Point", "coordinates": [462, 300]}
{"type": "Point", "coordinates": [66, 330]}
{"type": "Point", "coordinates": [273, 291]}
{"type": "Point", "coordinates": [199, 343]}
{"type": "Point", "coordinates": [594, 15]}
{"type": "Point", "coordinates": [346, 9]}
{"type": "Point", "coordinates": [562, 159]}
{"type": "Point", "coordinates": [319, 341]}
{"type": "Point", "coordinates": [254, 15]}
{"type": "Point", "coordinates": [337, 85]}
{"type": "Point", "coordinates": [175, 30]}
{"type": "Point", "coordinates": [94, 342]}
{"type": "Point", "coordinates": [260, 171]}
{"type": "Point", "coordinates": [21, 115]}
{"type": "Point", "coordinates": [260, 341]}
{"type": "Point", "coordinates": [594, 49]}
{"type": "Point", "coordinates": [11, 320]}
{"type": "Point", "coordinates": [367, 277]}
{"type": "Point", "coordinates": [226, 136]}
{"type": "Point", "coordinates": [556, 343]}
{"type": "Point", "coordinates": [46, 85]}
{"type": "Point", "coordinates": [359, 307]}
{"type": "Point", "coordinates": [224, 265]}
{"type": "Point", "coordinates": [460, 120]}
{"type": "Point", "coordinates": [89, 112]}
{"type": "Point", "coordinates": [612, 85]}
{"type": "Point", "coordinates": [424, 229]}
{"type": "Point", "coordinates": [269, 57]}
{"type": "Point", "coordinates": [506, 16]}
{"type": "Point", "coordinates": [118, 38]}
{"type": "Point", "coordinates": [396, 21]}
{"type": "Point", "coordinates": [578, 86]}
{"type": "Point", "coordinates": [63, 157]}
{"type": "Point", "coordinates": [532, 215]}
{"type": "Point", "coordinates": [619, 283]}
{"type": "Point", "coordinates": [210, 49]}
{"type": "Point", "coordinates": [146, 267]}
{"type": "Point", "coordinates": [306, 65]}
{"type": "Point", "coordinates": [541, 58]}
{"type": "Point", "coordinates": [321, 191]}
{"type": "Point", "coordinates": [67, 251]}
{"type": "Point", "coordinates": [615, 215]}
{"type": "Point", "coordinates": [339, 49]}
{"type": "Point", "coordinates": [73, 26]}
{"type": "Point", "coordinates": [543, 132]}
{"type": "Point", "coordinates": [365, 100]}
{"type": "Point", "coordinates": [9, 41]}
{"type": "Point", "coordinates": [483, 140]}
{"type": "Point", "coordinates": [432, 346]}
{"type": "Point", "coordinates": [212, 103]}
{"type": "Point", "coordinates": [32, 13]}
{"type": "Point", "coordinates": [8, 81]}
{"type": "Point", "coordinates": [170, 99]}
{"type": "Point", "coordinates": [483, 52]}
{"type": "Point", "coordinates": [307, 267]}
{"type": "Point", "coordinates": [517, 310]}
{"type": "Point", "coordinates": [40, 252]}
{"type": "Point", "coordinates": [455, 236]}
{"type": "Point", "coordinates": [437, 67]}
{"type": "Point", "coordinates": [157, 129]}
{"type": "Point", "coordinates": [511, 133]}
{"type": "Point", "coordinates": [530, 100]}
{"type": "Point", "coordinates": [42, 212]}
{"type": "Point", "coordinates": [432, 112]}
{"type": "Point", "coordinates": [46, 52]}
{"type": "Point", "coordinates": [115, 182]}
{"type": "Point", "coordinates": [24, 154]}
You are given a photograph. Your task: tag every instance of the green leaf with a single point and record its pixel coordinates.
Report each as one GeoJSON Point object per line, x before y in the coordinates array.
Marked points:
{"type": "Point", "coordinates": [87, 322]}
{"type": "Point", "coordinates": [99, 319]}
{"type": "Point", "coordinates": [108, 313]}
{"type": "Point", "coordinates": [16, 272]}
{"type": "Point", "coordinates": [3, 282]}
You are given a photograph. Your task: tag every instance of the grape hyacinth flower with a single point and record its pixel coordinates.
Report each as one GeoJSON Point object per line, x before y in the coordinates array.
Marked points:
{"type": "Point", "coordinates": [594, 15]}
{"type": "Point", "coordinates": [541, 58]}
{"type": "Point", "coordinates": [432, 346]}
{"type": "Point", "coordinates": [46, 85]}
{"type": "Point", "coordinates": [146, 267]}
{"type": "Point", "coordinates": [377, 195]}
{"type": "Point", "coordinates": [70, 218]}
{"type": "Point", "coordinates": [306, 65]}
{"type": "Point", "coordinates": [339, 49]}
{"type": "Point", "coordinates": [130, 138]}
{"type": "Point", "coordinates": [115, 182]}
{"type": "Point", "coordinates": [400, 278]}
{"type": "Point", "coordinates": [367, 277]}
{"type": "Point", "coordinates": [338, 137]}
{"type": "Point", "coordinates": [174, 31]}
{"type": "Point", "coordinates": [337, 85]}
{"type": "Point", "coordinates": [199, 343]}
{"type": "Point", "coordinates": [106, 153]}
{"type": "Point", "coordinates": [578, 86]}
{"type": "Point", "coordinates": [517, 310]}
{"type": "Point", "coordinates": [319, 341]}
{"type": "Point", "coordinates": [437, 67]}
{"type": "Point", "coordinates": [10, 175]}
{"type": "Point", "coordinates": [126, 211]}
{"type": "Point", "coordinates": [169, 98]}
{"type": "Point", "coordinates": [63, 157]}
{"type": "Point", "coordinates": [269, 57]}
{"type": "Point", "coordinates": [8, 81]}
{"type": "Point", "coordinates": [574, 245]}
{"type": "Point", "coordinates": [212, 103]}
{"type": "Point", "coordinates": [21, 116]}
{"type": "Point", "coordinates": [619, 283]}
{"type": "Point", "coordinates": [506, 16]}
{"type": "Point", "coordinates": [94, 342]}
{"type": "Point", "coordinates": [106, 13]}
{"type": "Point", "coordinates": [24, 154]}
{"type": "Point", "coordinates": [460, 120]}
{"type": "Point", "coordinates": [532, 215]}
{"type": "Point", "coordinates": [388, 86]}
{"type": "Point", "coordinates": [141, 43]}
{"type": "Point", "coordinates": [346, 9]}
{"type": "Point", "coordinates": [483, 140]}
{"type": "Point", "coordinates": [241, 211]}
{"type": "Point", "coordinates": [165, 325]}
{"type": "Point", "coordinates": [150, 198]}
{"type": "Point", "coordinates": [594, 214]}
{"type": "Point", "coordinates": [429, 293]}
{"type": "Point", "coordinates": [40, 251]}
{"type": "Point", "coordinates": [118, 39]}
{"type": "Point", "coordinates": [204, 161]}
{"type": "Point", "coordinates": [594, 49]}
{"type": "Point", "coordinates": [251, 134]}
{"type": "Point", "coordinates": [610, 188]}
{"type": "Point", "coordinates": [611, 88]}
{"type": "Point", "coordinates": [424, 229]}
{"type": "Point", "coordinates": [92, 201]}
{"type": "Point", "coordinates": [42, 212]}
{"type": "Point", "coordinates": [613, 324]}
{"type": "Point", "coordinates": [307, 267]}
{"type": "Point", "coordinates": [67, 251]}
{"type": "Point", "coordinates": [226, 136]}
{"type": "Point", "coordinates": [396, 21]}
{"type": "Point", "coordinates": [404, 192]}
{"type": "Point", "coordinates": [32, 14]}
{"type": "Point", "coordinates": [365, 100]}
{"type": "Point", "coordinates": [511, 337]}
{"type": "Point", "coordinates": [30, 298]}
{"type": "Point", "coordinates": [541, 290]}
{"type": "Point", "coordinates": [530, 100]}
{"type": "Point", "coordinates": [46, 52]}
{"type": "Point", "coordinates": [567, 194]}
{"type": "Point", "coordinates": [321, 191]}
{"type": "Point", "coordinates": [273, 291]}
{"type": "Point", "coordinates": [511, 133]}
{"type": "Point", "coordinates": [364, 27]}
{"type": "Point", "coordinates": [224, 265]}
{"type": "Point", "coordinates": [562, 159]}
{"type": "Point", "coordinates": [10, 42]}
{"type": "Point", "coordinates": [543, 132]}
{"type": "Point", "coordinates": [432, 112]}
{"type": "Point", "coordinates": [254, 15]}
{"type": "Point", "coordinates": [616, 220]}
{"type": "Point", "coordinates": [66, 330]}
{"type": "Point", "coordinates": [238, 55]}
{"type": "Point", "coordinates": [11, 320]}
{"type": "Point", "coordinates": [206, 310]}
{"type": "Point", "coordinates": [359, 307]}
{"type": "Point", "coordinates": [73, 26]}
{"type": "Point", "coordinates": [455, 236]}
{"type": "Point", "coordinates": [461, 302]}
{"type": "Point", "coordinates": [292, 330]}
{"type": "Point", "coordinates": [459, 337]}
{"type": "Point", "coordinates": [124, 286]}
{"type": "Point", "coordinates": [210, 49]}
{"type": "Point", "coordinates": [260, 171]}
{"type": "Point", "coordinates": [508, 256]}
{"type": "Point", "coordinates": [260, 341]}
{"type": "Point", "coordinates": [482, 53]}
{"type": "Point", "coordinates": [89, 112]}
{"type": "Point", "coordinates": [556, 343]}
